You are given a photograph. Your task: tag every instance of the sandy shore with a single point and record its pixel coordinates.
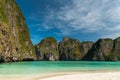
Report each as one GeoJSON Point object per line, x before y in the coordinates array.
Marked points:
{"type": "Point", "coordinates": [88, 76]}
{"type": "Point", "coordinates": [67, 76]}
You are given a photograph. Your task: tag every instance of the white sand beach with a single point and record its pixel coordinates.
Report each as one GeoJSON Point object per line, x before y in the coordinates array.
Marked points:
{"type": "Point", "coordinates": [88, 76]}
{"type": "Point", "coordinates": [67, 76]}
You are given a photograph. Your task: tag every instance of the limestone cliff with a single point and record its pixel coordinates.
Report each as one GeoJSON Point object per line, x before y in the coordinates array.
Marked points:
{"type": "Point", "coordinates": [47, 49]}
{"type": "Point", "coordinates": [69, 49]}
{"type": "Point", "coordinates": [85, 47]}
{"type": "Point", "coordinates": [116, 50]}
{"type": "Point", "coordinates": [102, 50]}
{"type": "Point", "coordinates": [15, 43]}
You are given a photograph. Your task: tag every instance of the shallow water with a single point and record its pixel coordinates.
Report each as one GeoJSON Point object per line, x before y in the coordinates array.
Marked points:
{"type": "Point", "coordinates": [40, 67]}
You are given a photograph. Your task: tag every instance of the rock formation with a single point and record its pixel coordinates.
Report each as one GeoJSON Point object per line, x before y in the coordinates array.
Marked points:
{"type": "Point", "coordinates": [47, 49]}
{"type": "Point", "coordinates": [116, 50]}
{"type": "Point", "coordinates": [15, 43]}
{"type": "Point", "coordinates": [69, 49]}
{"type": "Point", "coordinates": [102, 50]}
{"type": "Point", "coordinates": [85, 47]}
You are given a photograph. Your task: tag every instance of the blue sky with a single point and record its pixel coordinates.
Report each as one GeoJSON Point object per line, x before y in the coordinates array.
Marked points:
{"type": "Point", "coordinates": [86, 20]}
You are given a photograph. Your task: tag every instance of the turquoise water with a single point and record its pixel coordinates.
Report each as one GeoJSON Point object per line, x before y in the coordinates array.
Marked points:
{"type": "Point", "coordinates": [40, 67]}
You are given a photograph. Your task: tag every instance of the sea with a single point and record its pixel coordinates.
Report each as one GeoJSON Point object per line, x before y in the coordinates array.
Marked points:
{"type": "Point", "coordinates": [42, 67]}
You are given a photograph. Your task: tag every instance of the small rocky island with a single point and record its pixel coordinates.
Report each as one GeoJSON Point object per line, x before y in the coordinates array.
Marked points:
{"type": "Point", "coordinates": [15, 43]}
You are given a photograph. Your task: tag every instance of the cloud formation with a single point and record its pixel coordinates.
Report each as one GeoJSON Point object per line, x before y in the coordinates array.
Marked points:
{"type": "Point", "coordinates": [101, 17]}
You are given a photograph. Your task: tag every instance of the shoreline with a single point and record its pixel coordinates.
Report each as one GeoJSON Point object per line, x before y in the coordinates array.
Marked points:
{"type": "Point", "coordinates": [107, 75]}
{"type": "Point", "coordinates": [86, 76]}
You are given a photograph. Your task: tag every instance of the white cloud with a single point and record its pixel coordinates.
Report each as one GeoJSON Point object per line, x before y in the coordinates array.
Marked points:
{"type": "Point", "coordinates": [87, 16]}
{"type": "Point", "coordinates": [115, 28]}
{"type": "Point", "coordinates": [99, 17]}
{"type": "Point", "coordinates": [114, 14]}
{"type": "Point", "coordinates": [111, 35]}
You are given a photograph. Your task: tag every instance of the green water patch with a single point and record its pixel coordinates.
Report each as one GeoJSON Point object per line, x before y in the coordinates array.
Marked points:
{"type": "Point", "coordinates": [41, 67]}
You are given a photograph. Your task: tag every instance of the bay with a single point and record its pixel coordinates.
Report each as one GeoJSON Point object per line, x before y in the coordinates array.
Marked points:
{"type": "Point", "coordinates": [41, 67]}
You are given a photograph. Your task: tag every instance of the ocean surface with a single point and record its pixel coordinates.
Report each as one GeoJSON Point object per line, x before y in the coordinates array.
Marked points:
{"type": "Point", "coordinates": [40, 67]}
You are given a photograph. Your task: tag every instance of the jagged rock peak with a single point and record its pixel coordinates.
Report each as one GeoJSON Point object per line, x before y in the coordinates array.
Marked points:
{"type": "Point", "coordinates": [69, 49]}
{"type": "Point", "coordinates": [101, 50]}
{"type": "Point", "coordinates": [47, 49]}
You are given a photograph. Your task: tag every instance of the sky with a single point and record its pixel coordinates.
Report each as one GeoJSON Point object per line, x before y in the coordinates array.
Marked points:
{"type": "Point", "coordinates": [85, 20]}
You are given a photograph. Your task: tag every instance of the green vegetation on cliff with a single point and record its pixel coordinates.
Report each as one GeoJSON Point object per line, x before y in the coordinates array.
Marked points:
{"type": "Point", "coordinates": [3, 16]}
{"type": "Point", "coordinates": [14, 34]}
{"type": "Point", "coordinates": [47, 49]}
{"type": "Point", "coordinates": [69, 49]}
{"type": "Point", "coordinates": [15, 43]}
{"type": "Point", "coordinates": [104, 50]}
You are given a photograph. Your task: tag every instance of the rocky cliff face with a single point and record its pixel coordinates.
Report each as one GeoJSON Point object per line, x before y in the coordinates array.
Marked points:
{"type": "Point", "coordinates": [15, 44]}
{"type": "Point", "coordinates": [116, 50]}
{"type": "Point", "coordinates": [85, 47]}
{"type": "Point", "coordinates": [102, 50]}
{"type": "Point", "coordinates": [69, 49]}
{"type": "Point", "coordinates": [47, 49]}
